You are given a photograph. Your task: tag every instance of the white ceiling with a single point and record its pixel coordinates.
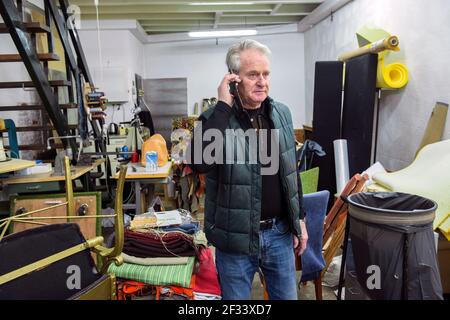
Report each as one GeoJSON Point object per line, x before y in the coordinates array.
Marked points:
{"type": "Point", "coordinates": [177, 16]}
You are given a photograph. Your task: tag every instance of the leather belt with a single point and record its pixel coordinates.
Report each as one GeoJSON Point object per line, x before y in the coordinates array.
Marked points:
{"type": "Point", "coordinates": [266, 224]}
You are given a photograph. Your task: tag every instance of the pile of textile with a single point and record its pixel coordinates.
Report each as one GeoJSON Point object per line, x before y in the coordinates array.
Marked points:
{"type": "Point", "coordinates": [172, 262]}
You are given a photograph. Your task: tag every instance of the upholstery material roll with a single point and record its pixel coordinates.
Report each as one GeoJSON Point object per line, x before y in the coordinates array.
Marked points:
{"type": "Point", "coordinates": [391, 76]}
{"type": "Point", "coordinates": [341, 164]}
{"type": "Point", "coordinates": [389, 43]}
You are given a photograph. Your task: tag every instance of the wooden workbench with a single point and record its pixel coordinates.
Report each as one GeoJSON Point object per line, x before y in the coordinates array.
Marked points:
{"type": "Point", "coordinates": [140, 173]}
{"type": "Point", "coordinates": [76, 172]}
{"type": "Point", "coordinates": [136, 173]}
{"type": "Point", "coordinates": [15, 165]}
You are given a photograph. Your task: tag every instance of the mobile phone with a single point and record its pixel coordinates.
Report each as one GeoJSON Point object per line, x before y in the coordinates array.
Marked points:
{"type": "Point", "coordinates": [234, 91]}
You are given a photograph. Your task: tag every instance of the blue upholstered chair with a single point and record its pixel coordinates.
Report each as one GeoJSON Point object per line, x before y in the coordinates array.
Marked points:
{"type": "Point", "coordinates": [312, 261]}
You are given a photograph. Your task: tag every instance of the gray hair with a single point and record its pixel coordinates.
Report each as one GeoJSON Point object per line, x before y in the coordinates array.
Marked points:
{"type": "Point", "coordinates": [233, 59]}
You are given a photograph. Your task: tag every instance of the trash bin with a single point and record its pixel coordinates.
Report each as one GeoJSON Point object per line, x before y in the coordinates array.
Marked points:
{"type": "Point", "coordinates": [393, 246]}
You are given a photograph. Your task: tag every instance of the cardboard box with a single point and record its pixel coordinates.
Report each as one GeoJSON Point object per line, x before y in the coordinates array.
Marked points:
{"type": "Point", "coordinates": [37, 169]}
{"type": "Point", "coordinates": [444, 263]}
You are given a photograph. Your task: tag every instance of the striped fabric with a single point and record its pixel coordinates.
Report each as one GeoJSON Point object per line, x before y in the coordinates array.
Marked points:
{"type": "Point", "coordinates": [178, 275]}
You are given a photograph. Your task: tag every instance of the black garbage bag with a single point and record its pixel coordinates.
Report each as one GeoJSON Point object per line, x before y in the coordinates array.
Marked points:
{"type": "Point", "coordinates": [393, 246]}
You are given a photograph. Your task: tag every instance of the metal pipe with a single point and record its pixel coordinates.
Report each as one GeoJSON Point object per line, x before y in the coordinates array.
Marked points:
{"type": "Point", "coordinates": [69, 190]}
{"type": "Point", "coordinates": [80, 147]}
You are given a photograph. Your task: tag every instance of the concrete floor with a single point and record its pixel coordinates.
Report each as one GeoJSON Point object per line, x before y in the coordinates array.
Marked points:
{"type": "Point", "coordinates": [306, 292]}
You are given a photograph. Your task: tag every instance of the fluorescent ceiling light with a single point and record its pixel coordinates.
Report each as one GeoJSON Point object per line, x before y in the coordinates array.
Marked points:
{"type": "Point", "coordinates": [220, 3]}
{"type": "Point", "coordinates": [224, 33]}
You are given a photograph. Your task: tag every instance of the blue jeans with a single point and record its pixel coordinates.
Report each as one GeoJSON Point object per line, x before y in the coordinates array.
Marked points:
{"type": "Point", "coordinates": [276, 260]}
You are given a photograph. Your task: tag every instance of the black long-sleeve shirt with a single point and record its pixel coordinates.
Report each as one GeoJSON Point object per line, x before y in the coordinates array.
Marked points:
{"type": "Point", "coordinates": [273, 203]}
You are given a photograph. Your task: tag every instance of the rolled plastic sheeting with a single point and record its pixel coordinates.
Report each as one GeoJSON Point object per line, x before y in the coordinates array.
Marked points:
{"type": "Point", "coordinates": [390, 43]}
{"type": "Point", "coordinates": [341, 164]}
{"type": "Point", "coordinates": [391, 76]}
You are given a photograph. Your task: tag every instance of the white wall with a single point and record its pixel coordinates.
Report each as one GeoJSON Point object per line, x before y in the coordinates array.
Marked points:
{"type": "Point", "coordinates": [119, 49]}
{"type": "Point", "coordinates": [202, 62]}
{"type": "Point", "coordinates": [423, 28]}
{"type": "Point", "coordinates": [16, 71]}
{"type": "Point", "coordinates": [13, 71]}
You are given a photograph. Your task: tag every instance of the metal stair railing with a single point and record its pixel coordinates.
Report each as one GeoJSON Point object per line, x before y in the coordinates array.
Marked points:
{"type": "Point", "coordinates": [12, 17]}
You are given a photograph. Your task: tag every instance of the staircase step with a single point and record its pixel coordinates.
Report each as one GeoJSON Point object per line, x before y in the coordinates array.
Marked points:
{"type": "Point", "coordinates": [30, 84]}
{"type": "Point", "coordinates": [32, 27]}
{"type": "Point", "coordinates": [17, 58]}
{"type": "Point", "coordinates": [35, 107]}
{"type": "Point", "coordinates": [37, 128]}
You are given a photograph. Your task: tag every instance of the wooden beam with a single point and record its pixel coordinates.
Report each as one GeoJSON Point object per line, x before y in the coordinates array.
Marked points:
{"type": "Point", "coordinates": [30, 84]}
{"type": "Point", "coordinates": [34, 107]}
{"type": "Point", "coordinates": [32, 27]}
{"type": "Point", "coordinates": [103, 3]}
{"type": "Point", "coordinates": [18, 58]}
{"type": "Point", "coordinates": [209, 16]}
{"type": "Point", "coordinates": [259, 20]}
{"type": "Point", "coordinates": [171, 23]}
{"type": "Point", "coordinates": [126, 9]}
{"type": "Point", "coordinates": [276, 8]}
{"type": "Point", "coordinates": [217, 19]}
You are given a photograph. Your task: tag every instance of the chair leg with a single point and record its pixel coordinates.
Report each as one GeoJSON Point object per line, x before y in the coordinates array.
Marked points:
{"type": "Point", "coordinates": [266, 294]}
{"type": "Point", "coordinates": [318, 288]}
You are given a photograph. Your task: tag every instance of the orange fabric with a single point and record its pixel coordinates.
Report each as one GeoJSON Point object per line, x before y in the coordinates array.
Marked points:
{"type": "Point", "coordinates": [188, 292]}
{"type": "Point", "coordinates": [155, 143]}
{"type": "Point", "coordinates": [129, 289]}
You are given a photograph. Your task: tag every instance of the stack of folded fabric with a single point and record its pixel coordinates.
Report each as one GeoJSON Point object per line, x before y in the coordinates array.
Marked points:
{"type": "Point", "coordinates": [174, 259]}
{"type": "Point", "coordinates": [159, 244]}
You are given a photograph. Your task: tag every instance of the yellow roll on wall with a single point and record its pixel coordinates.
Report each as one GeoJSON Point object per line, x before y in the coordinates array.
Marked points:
{"type": "Point", "coordinates": [391, 76]}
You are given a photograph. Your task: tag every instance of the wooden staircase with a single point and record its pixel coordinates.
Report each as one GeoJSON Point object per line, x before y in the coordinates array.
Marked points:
{"type": "Point", "coordinates": [30, 27]}
{"type": "Point", "coordinates": [54, 115]}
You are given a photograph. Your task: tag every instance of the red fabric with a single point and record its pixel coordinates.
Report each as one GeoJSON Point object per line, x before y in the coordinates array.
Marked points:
{"type": "Point", "coordinates": [206, 279]}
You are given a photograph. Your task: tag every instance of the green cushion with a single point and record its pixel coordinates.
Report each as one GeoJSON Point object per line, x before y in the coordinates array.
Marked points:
{"type": "Point", "coordinates": [310, 180]}
{"type": "Point", "coordinates": [177, 275]}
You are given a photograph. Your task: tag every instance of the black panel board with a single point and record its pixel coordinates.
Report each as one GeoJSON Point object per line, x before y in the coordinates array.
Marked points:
{"type": "Point", "coordinates": [358, 111]}
{"type": "Point", "coordinates": [327, 118]}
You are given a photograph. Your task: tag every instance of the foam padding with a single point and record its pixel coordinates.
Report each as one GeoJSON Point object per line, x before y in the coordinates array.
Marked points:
{"type": "Point", "coordinates": [436, 125]}
{"type": "Point", "coordinates": [309, 180]}
{"type": "Point", "coordinates": [359, 109]}
{"type": "Point", "coordinates": [391, 76]}
{"type": "Point", "coordinates": [327, 118]}
{"type": "Point", "coordinates": [428, 176]}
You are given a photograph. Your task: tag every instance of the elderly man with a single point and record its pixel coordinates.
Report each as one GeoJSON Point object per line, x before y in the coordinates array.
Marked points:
{"type": "Point", "coordinates": [253, 214]}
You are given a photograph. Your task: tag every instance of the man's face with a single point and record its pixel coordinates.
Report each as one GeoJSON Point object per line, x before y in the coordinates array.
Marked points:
{"type": "Point", "coordinates": [254, 73]}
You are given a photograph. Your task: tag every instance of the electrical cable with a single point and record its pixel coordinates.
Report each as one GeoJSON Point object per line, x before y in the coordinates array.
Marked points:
{"type": "Point", "coordinates": [100, 59]}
